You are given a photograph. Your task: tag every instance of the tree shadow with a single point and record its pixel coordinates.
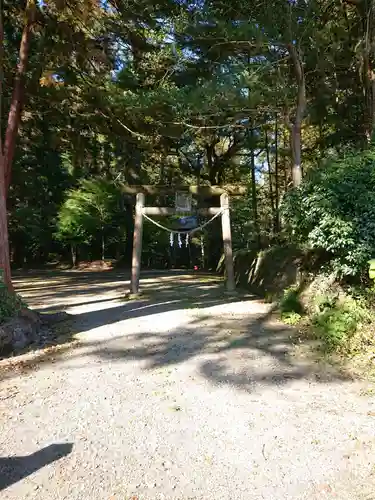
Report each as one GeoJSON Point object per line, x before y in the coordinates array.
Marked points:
{"type": "Point", "coordinates": [61, 328]}
{"type": "Point", "coordinates": [245, 351]}
{"type": "Point", "coordinates": [141, 308]}
{"type": "Point", "coordinates": [57, 287]}
{"type": "Point", "coordinates": [254, 352]}
{"type": "Point", "coordinates": [13, 469]}
{"type": "Point", "coordinates": [62, 307]}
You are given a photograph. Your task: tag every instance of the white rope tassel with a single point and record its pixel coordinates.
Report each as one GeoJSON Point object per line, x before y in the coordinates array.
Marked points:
{"type": "Point", "coordinates": [187, 240]}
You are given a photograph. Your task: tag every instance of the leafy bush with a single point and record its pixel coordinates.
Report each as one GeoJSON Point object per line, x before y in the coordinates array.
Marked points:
{"type": "Point", "coordinates": [337, 322]}
{"type": "Point", "coordinates": [340, 318]}
{"type": "Point", "coordinates": [290, 306]}
{"type": "Point", "coordinates": [334, 211]}
{"type": "Point", "coordinates": [10, 304]}
{"type": "Point", "coordinates": [290, 301]}
{"type": "Point", "coordinates": [291, 318]}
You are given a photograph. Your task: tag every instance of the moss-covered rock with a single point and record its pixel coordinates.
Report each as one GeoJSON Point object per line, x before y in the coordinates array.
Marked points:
{"type": "Point", "coordinates": [18, 325]}
{"type": "Point", "coordinates": [271, 271]}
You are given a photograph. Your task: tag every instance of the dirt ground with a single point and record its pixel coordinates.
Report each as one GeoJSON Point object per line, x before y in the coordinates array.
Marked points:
{"type": "Point", "coordinates": [187, 393]}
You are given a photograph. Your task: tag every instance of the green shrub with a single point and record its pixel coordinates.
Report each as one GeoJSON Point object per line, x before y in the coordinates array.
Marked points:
{"type": "Point", "coordinates": [334, 211]}
{"type": "Point", "coordinates": [341, 319]}
{"type": "Point", "coordinates": [290, 301]}
{"type": "Point", "coordinates": [10, 304]}
{"type": "Point", "coordinates": [325, 301]}
{"type": "Point", "coordinates": [291, 318]}
{"type": "Point", "coordinates": [338, 321]}
{"type": "Point", "coordinates": [290, 306]}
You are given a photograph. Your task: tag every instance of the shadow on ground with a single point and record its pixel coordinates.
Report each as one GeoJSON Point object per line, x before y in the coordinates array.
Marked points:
{"type": "Point", "coordinates": [161, 294]}
{"type": "Point", "coordinates": [244, 351]}
{"type": "Point", "coordinates": [13, 469]}
{"type": "Point", "coordinates": [52, 287]}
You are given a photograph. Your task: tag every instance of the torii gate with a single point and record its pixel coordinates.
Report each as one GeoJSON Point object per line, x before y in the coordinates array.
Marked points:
{"type": "Point", "coordinates": [141, 209]}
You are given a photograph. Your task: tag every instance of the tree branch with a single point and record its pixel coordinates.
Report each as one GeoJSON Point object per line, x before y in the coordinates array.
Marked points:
{"type": "Point", "coordinates": [300, 76]}
{"type": "Point", "coordinates": [132, 132]}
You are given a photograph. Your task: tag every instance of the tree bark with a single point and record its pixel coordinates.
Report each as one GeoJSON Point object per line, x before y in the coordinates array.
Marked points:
{"type": "Point", "coordinates": [365, 13]}
{"type": "Point", "coordinates": [14, 117]}
{"type": "Point", "coordinates": [285, 166]}
{"type": "Point", "coordinates": [4, 239]}
{"type": "Point", "coordinates": [295, 127]}
{"type": "Point", "coordinates": [296, 155]}
{"type": "Point", "coordinates": [203, 258]}
{"type": "Point", "coordinates": [277, 194]}
{"type": "Point", "coordinates": [73, 250]}
{"type": "Point", "coordinates": [15, 110]}
{"type": "Point", "coordinates": [369, 91]}
{"type": "Point", "coordinates": [272, 199]}
{"type": "Point", "coordinates": [372, 105]}
{"type": "Point", "coordinates": [103, 245]}
{"type": "Point", "coordinates": [254, 200]}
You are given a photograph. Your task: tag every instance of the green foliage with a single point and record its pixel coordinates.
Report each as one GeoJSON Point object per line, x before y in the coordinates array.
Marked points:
{"type": "Point", "coordinates": [10, 304]}
{"type": "Point", "coordinates": [111, 95]}
{"type": "Point", "coordinates": [338, 320]}
{"type": "Point", "coordinates": [290, 302]}
{"type": "Point", "coordinates": [290, 306]}
{"type": "Point", "coordinates": [92, 208]}
{"type": "Point", "coordinates": [291, 318]}
{"type": "Point", "coordinates": [334, 211]}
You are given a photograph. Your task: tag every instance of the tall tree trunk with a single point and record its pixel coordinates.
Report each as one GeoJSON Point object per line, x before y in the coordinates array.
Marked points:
{"type": "Point", "coordinates": [372, 105]}
{"type": "Point", "coordinates": [254, 200]}
{"type": "Point", "coordinates": [272, 200]}
{"type": "Point", "coordinates": [15, 110]}
{"type": "Point", "coordinates": [296, 155]}
{"type": "Point", "coordinates": [73, 251]}
{"type": "Point", "coordinates": [365, 12]}
{"type": "Point", "coordinates": [295, 126]}
{"type": "Point", "coordinates": [103, 245]}
{"type": "Point", "coordinates": [4, 240]}
{"type": "Point", "coordinates": [369, 91]}
{"type": "Point", "coordinates": [107, 150]}
{"type": "Point", "coordinates": [203, 258]}
{"type": "Point", "coordinates": [277, 194]}
{"type": "Point", "coordinates": [285, 166]}
{"type": "Point", "coordinates": [14, 117]}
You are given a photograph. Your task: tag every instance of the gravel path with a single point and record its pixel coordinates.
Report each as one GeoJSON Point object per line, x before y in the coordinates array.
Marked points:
{"type": "Point", "coordinates": [187, 394]}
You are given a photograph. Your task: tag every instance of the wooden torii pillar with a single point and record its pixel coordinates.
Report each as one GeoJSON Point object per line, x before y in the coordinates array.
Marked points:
{"type": "Point", "coordinates": [141, 209]}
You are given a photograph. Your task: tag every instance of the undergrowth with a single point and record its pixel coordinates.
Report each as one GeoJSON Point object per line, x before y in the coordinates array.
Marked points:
{"type": "Point", "coordinates": [341, 322]}
{"type": "Point", "coordinates": [10, 304]}
{"type": "Point", "coordinates": [291, 307]}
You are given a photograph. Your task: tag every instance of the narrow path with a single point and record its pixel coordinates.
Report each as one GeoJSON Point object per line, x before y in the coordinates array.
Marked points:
{"type": "Point", "coordinates": [186, 394]}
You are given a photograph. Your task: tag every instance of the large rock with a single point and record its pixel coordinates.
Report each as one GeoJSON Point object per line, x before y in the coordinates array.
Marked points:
{"type": "Point", "coordinates": [19, 331]}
